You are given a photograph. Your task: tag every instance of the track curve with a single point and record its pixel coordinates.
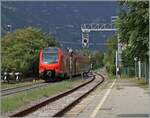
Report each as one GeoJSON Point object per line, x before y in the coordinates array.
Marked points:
{"type": "Point", "coordinates": [62, 102]}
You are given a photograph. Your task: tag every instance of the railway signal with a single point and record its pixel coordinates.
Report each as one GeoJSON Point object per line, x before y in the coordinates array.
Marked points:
{"type": "Point", "coordinates": [85, 39]}
{"type": "Point", "coordinates": [87, 28]}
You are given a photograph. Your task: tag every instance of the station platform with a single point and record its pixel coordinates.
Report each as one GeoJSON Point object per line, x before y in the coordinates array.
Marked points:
{"type": "Point", "coordinates": [118, 98]}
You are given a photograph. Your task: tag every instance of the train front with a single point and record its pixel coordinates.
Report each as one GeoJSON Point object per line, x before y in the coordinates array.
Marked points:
{"type": "Point", "coordinates": [49, 63]}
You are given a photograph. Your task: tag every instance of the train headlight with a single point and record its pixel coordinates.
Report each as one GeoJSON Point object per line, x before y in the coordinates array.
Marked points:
{"type": "Point", "coordinates": [49, 73]}
{"type": "Point", "coordinates": [41, 70]}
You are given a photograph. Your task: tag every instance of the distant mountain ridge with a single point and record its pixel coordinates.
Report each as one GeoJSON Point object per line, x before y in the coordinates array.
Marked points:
{"type": "Point", "coordinates": [62, 19]}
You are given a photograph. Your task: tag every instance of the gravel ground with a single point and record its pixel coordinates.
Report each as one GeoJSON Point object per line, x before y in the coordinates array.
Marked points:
{"type": "Point", "coordinates": [52, 108]}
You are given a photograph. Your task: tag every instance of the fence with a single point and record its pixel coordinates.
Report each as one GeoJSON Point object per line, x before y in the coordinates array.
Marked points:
{"type": "Point", "coordinates": [139, 70]}
{"type": "Point", "coordinates": [128, 71]}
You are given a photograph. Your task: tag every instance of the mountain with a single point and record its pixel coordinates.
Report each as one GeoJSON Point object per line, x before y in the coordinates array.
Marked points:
{"type": "Point", "coordinates": [60, 18]}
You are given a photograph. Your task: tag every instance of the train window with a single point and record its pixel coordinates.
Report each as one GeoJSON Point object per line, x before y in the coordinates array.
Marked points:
{"type": "Point", "coordinates": [50, 50]}
{"type": "Point", "coordinates": [50, 58]}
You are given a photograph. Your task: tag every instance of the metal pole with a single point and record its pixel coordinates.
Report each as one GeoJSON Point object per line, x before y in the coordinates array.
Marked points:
{"type": "Point", "coordinates": [70, 67]}
{"type": "Point", "coordinates": [116, 63]}
{"type": "Point", "coordinates": [119, 54]}
{"type": "Point", "coordinates": [82, 75]}
{"type": "Point", "coordinates": [70, 60]}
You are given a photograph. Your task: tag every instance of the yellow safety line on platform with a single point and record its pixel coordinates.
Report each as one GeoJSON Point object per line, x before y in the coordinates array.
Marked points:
{"type": "Point", "coordinates": [102, 101]}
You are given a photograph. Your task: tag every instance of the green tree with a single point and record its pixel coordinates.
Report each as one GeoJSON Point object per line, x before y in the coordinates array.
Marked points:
{"type": "Point", "coordinates": [109, 57]}
{"type": "Point", "coordinates": [20, 50]}
{"type": "Point", "coordinates": [85, 51]}
{"type": "Point", "coordinates": [97, 59]}
{"type": "Point", "coordinates": [133, 27]}
{"type": "Point", "coordinates": [127, 59]}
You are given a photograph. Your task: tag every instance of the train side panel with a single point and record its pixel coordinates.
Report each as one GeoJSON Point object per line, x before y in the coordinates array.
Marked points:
{"type": "Point", "coordinates": [54, 62]}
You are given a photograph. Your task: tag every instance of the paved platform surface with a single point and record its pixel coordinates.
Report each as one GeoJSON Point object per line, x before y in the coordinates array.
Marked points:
{"type": "Point", "coordinates": [115, 99]}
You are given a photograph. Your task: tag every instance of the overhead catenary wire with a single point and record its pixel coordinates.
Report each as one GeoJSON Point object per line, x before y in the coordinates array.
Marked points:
{"type": "Point", "coordinates": [78, 43]}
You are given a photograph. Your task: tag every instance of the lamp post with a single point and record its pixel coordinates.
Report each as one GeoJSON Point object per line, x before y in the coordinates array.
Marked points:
{"type": "Point", "coordinates": [135, 59]}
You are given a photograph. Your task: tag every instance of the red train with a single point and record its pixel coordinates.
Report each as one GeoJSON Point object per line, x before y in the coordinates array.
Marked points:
{"type": "Point", "coordinates": [56, 62]}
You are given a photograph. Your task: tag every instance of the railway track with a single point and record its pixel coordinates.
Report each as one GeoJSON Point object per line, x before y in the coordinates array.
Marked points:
{"type": "Point", "coordinates": [57, 105]}
{"type": "Point", "coordinates": [14, 90]}
{"type": "Point", "coordinates": [23, 88]}
{"type": "Point", "coordinates": [5, 89]}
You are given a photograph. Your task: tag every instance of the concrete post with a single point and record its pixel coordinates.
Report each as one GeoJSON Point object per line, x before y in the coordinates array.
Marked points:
{"type": "Point", "coordinates": [135, 69]}
{"type": "Point", "coordinates": [145, 71]}
{"type": "Point", "coordinates": [139, 65]}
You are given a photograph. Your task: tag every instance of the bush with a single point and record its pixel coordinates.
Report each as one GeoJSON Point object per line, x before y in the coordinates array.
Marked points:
{"type": "Point", "coordinates": [20, 50]}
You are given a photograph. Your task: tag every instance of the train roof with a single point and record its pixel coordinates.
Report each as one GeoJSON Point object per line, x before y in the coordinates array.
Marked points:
{"type": "Point", "coordinates": [55, 50]}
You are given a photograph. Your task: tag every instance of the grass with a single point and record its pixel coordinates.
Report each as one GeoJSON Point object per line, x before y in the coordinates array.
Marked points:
{"type": "Point", "coordinates": [141, 82]}
{"type": "Point", "coordinates": [11, 103]}
{"type": "Point", "coordinates": [110, 76]}
{"type": "Point", "coordinates": [9, 85]}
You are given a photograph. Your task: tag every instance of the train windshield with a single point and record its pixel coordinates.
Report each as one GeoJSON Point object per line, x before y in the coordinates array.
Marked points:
{"type": "Point", "coordinates": [50, 58]}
